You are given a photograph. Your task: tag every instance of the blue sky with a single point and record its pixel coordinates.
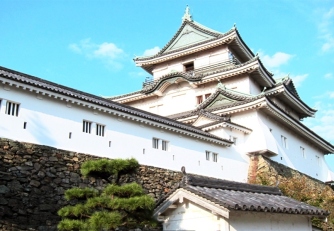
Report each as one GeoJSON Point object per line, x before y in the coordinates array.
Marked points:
{"type": "Point", "coordinates": [90, 45]}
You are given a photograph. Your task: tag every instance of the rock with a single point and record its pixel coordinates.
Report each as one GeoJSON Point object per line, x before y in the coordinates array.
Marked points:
{"type": "Point", "coordinates": [35, 183]}
{"type": "Point", "coordinates": [52, 158]}
{"type": "Point", "coordinates": [3, 201]}
{"type": "Point", "coordinates": [46, 207]}
{"type": "Point", "coordinates": [37, 166]}
{"type": "Point", "coordinates": [41, 174]}
{"type": "Point", "coordinates": [14, 186]}
{"type": "Point", "coordinates": [4, 189]}
{"type": "Point", "coordinates": [29, 163]}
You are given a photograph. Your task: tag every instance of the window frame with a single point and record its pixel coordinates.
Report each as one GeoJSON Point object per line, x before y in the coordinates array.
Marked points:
{"type": "Point", "coordinates": [207, 155]}
{"type": "Point", "coordinates": [215, 157]}
{"type": "Point", "coordinates": [12, 108]}
{"type": "Point", "coordinates": [155, 143]}
{"type": "Point", "coordinates": [85, 128]}
{"type": "Point", "coordinates": [164, 145]}
{"type": "Point", "coordinates": [284, 141]}
{"type": "Point", "coordinates": [189, 66]}
{"type": "Point", "coordinates": [100, 130]}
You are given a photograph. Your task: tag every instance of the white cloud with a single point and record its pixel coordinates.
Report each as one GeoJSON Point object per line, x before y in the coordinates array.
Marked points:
{"type": "Point", "coordinates": [328, 76]}
{"type": "Point", "coordinates": [326, 31]}
{"type": "Point", "coordinates": [152, 51]}
{"type": "Point", "coordinates": [108, 50]}
{"type": "Point", "coordinates": [298, 79]}
{"type": "Point", "coordinates": [108, 53]}
{"type": "Point", "coordinates": [275, 61]}
{"type": "Point", "coordinates": [75, 48]}
{"type": "Point", "coordinates": [278, 59]}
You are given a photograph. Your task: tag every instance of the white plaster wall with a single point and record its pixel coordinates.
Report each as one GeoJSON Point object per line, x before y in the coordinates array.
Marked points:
{"type": "Point", "coordinates": [261, 138]}
{"type": "Point", "coordinates": [200, 59]}
{"type": "Point", "coordinates": [254, 88]}
{"type": "Point", "coordinates": [49, 122]}
{"type": "Point", "coordinates": [189, 216]}
{"type": "Point", "coordinates": [312, 163]}
{"type": "Point", "coordinates": [246, 221]}
{"type": "Point", "coordinates": [239, 84]}
{"type": "Point", "coordinates": [175, 99]}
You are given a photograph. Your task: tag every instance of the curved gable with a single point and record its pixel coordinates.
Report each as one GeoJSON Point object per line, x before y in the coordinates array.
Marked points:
{"type": "Point", "coordinates": [223, 96]}
{"type": "Point", "coordinates": [169, 79]}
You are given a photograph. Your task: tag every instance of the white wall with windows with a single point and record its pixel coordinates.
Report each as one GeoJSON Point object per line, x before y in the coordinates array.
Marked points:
{"type": "Point", "coordinates": [292, 150]}
{"type": "Point", "coordinates": [47, 119]}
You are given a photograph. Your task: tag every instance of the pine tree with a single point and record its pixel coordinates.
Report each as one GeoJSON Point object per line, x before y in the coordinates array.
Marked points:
{"type": "Point", "coordinates": [115, 207]}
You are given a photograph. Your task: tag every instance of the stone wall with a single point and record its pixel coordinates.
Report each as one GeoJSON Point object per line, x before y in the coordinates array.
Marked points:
{"type": "Point", "coordinates": [294, 184]}
{"type": "Point", "coordinates": [262, 170]}
{"type": "Point", "coordinates": [33, 179]}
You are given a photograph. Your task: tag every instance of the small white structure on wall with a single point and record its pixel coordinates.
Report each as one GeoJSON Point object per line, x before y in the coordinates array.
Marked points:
{"type": "Point", "coordinates": [202, 203]}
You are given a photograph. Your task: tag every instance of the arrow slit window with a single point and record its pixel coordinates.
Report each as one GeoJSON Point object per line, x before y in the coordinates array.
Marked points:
{"type": "Point", "coordinates": [12, 108]}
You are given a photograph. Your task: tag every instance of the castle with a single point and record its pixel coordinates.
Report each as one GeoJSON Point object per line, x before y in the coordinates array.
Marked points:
{"type": "Point", "coordinates": [211, 105]}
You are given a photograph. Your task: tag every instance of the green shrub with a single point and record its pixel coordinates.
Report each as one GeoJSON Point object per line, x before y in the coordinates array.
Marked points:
{"type": "Point", "coordinates": [115, 206]}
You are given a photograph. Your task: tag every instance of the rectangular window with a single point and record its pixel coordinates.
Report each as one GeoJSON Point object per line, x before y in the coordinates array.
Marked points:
{"type": "Point", "coordinates": [12, 109]}
{"type": "Point", "coordinates": [189, 66]}
{"type": "Point", "coordinates": [318, 160]}
{"type": "Point", "coordinates": [199, 99]}
{"type": "Point", "coordinates": [302, 152]}
{"type": "Point", "coordinates": [207, 155]}
{"type": "Point", "coordinates": [155, 143]}
{"type": "Point", "coordinates": [207, 95]}
{"type": "Point", "coordinates": [86, 126]}
{"type": "Point", "coordinates": [215, 157]}
{"type": "Point", "coordinates": [160, 144]}
{"type": "Point", "coordinates": [100, 130]}
{"type": "Point", "coordinates": [284, 141]}
{"type": "Point", "coordinates": [164, 145]}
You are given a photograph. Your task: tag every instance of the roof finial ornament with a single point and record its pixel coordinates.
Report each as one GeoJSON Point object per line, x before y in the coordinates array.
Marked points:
{"type": "Point", "coordinates": [235, 26]}
{"type": "Point", "coordinates": [187, 15]}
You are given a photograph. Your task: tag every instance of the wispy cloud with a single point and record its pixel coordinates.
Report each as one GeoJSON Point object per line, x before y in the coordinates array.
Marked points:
{"type": "Point", "coordinates": [108, 53]}
{"type": "Point", "coordinates": [298, 79]}
{"type": "Point", "coordinates": [151, 51]}
{"type": "Point", "coordinates": [276, 61]}
{"type": "Point", "coordinates": [328, 76]}
{"type": "Point", "coordinates": [326, 30]}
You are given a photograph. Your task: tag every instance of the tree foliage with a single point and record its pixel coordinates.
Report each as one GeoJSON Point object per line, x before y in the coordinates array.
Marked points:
{"type": "Point", "coordinates": [116, 206]}
{"type": "Point", "coordinates": [300, 188]}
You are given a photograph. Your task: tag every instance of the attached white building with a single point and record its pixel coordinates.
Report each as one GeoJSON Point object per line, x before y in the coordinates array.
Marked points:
{"type": "Point", "coordinates": [202, 203]}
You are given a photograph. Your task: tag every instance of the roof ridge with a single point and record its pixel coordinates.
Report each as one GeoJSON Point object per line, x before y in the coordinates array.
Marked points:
{"type": "Point", "coordinates": [209, 182]}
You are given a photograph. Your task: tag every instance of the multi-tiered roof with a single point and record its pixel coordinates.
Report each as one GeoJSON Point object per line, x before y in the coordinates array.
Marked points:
{"type": "Point", "coordinates": [276, 97]}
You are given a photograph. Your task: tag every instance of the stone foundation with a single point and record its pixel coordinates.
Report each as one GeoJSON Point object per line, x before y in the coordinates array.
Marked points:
{"type": "Point", "coordinates": [33, 179]}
